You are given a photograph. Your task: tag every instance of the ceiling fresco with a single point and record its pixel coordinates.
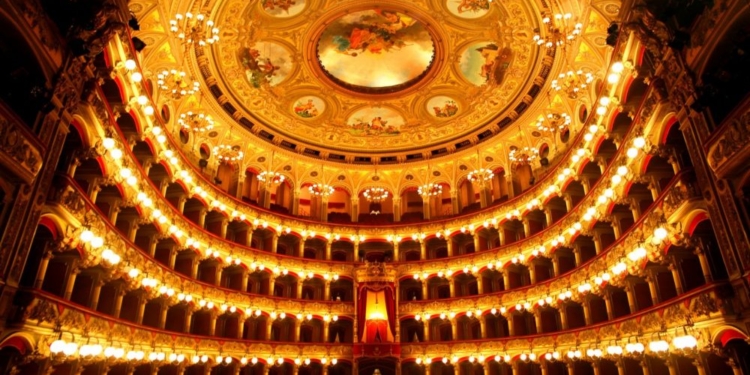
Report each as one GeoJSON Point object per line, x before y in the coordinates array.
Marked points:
{"type": "Point", "coordinates": [358, 80]}
{"type": "Point", "coordinates": [374, 75]}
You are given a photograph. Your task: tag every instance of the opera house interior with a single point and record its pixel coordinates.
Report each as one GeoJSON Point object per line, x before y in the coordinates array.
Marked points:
{"type": "Point", "coordinates": [534, 187]}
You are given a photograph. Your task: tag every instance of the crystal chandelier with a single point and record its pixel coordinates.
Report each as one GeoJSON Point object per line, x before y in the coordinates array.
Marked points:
{"type": "Point", "coordinates": [521, 156]}
{"type": "Point", "coordinates": [572, 82]}
{"type": "Point", "coordinates": [176, 83]}
{"type": "Point", "coordinates": [430, 190]}
{"type": "Point", "coordinates": [481, 174]}
{"type": "Point", "coordinates": [321, 190]}
{"type": "Point", "coordinates": [375, 194]}
{"type": "Point", "coordinates": [560, 29]}
{"type": "Point", "coordinates": [553, 122]}
{"type": "Point", "coordinates": [228, 154]}
{"type": "Point", "coordinates": [194, 29]}
{"type": "Point", "coordinates": [271, 177]}
{"type": "Point", "coordinates": [197, 122]}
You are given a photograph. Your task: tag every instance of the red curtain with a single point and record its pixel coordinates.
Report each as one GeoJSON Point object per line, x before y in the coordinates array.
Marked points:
{"type": "Point", "coordinates": [390, 305]}
{"type": "Point", "coordinates": [361, 306]}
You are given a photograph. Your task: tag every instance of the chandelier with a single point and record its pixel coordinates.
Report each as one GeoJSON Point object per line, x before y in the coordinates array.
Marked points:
{"type": "Point", "coordinates": [375, 194]}
{"type": "Point", "coordinates": [228, 154]}
{"type": "Point", "coordinates": [560, 28]}
{"type": "Point", "coordinates": [572, 82]}
{"type": "Point", "coordinates": [194, 29]}
{"type": "Point", "coordinates": [430, 190]}
{"type": "Point", "coordinates": [321, 190]}
{"type": "Point", "coordinates": [553, 122]}
{"type": "Point", "coordinates": [481, 174]}
{"type": "Point", "coordinates": [176, 83]}
{"type": "Point", "coordinates": [198, 122]}
{"type": "Point", "coordinates": [271, 177]}
{"type": "Point", "coordinates": [524, 155]}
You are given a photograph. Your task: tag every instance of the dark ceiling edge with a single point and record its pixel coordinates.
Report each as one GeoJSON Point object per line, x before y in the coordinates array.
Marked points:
{"type": "Point", "coordinates": [290, 143]}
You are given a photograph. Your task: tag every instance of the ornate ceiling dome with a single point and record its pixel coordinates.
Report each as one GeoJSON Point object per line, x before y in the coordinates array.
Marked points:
{"type": "Point", "coordinates": [365, 81]}
{"type": "Point", "coordinates": [373, 76]}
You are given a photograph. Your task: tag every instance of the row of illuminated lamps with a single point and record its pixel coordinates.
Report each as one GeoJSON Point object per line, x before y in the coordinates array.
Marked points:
{"type": "Point", "coordinates": [89, 238]}
{"type": "Point", "coordinates": [63, 349]}
{"type": "Point", "coordinates": [114, 258]}
{"type": "Point", "coordinates": [127, 175]}
{"type": "Point", "coordinates": [567, 172]}
{"type": "Point", "coordinates": [684, 343]}
{"type": "Point", "coordinates": [599, 280]}
{"type": "Point", "coordinates": [108, 255]}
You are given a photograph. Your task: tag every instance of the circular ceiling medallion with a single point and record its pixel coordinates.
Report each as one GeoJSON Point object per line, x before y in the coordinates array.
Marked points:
{"type": "Point", "coordinates": [375, 51]}
{"type": "Point", "coordinates": [308, 107]}
{"type": "Point", "coordinates": [283, 8]}
{"type": "Point", "coordinates": [468, 8]}
{"type": "Point", "coordinates": [442, 106]}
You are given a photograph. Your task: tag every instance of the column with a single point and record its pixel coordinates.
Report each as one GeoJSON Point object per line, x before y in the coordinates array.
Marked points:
{"type": "Point", "coordinates": [568, 202]}
{"type": "Point", "coordinates": [240, 327]}
{"type": "Point", "coordinates": [119, 295]}
{"type": "Point", "coordinates": [423, 250]}
{"type": "Point", "coordinates": [245, 279]}
{"type": "Point", "coordinates": [188, 320]}
{"type": "Point", "coordinates": [224, 226]}
{"type": "Point", "coordinates": [532, 272]}
{"type": "Point", "coordinates": [596, 365]}
{"type": "Point", "coordinates": [526, 227]}
{"type": "Point", "coordinates": [676, 275]}
{"type": "Point", "coordinates": [269, 330]}
{"type": "Point", "coordinates": [736, 369]}
{"type": "Point", "coordinates": [274, 242]}
{"type": "Point", "coordinates": [95, 292]}
{"type": "Point", "coordinates": [72, 275]}
{"type": "Point", "coordinates": [563, 316]}
{"type": "Point", "coordinates": [608, 303]}
{"type": "Point", "coordinates": [699, 366]}
{"type": "Point", "coordinates": [300, 281]}
{"type": "Point", "coordinates": [395, 251]}
{"type": "Point", "coordinates": [324, 209]}
{"type": "Point", "coordinates": [271, 284]}
{"type": "Point", "coordinates": [329, 245]}
{"type": "Point", "coordinates": [116, 208]}
{"type": "Point", "coordinates": [172, 256]}
{"type": "Point", "coordinates": [163, 314]}
{"type": "Point", "coordinates": [506, 279]}
{"type": "Point", "coordinates": [327, 290]}
{"type": "Point", "coordinates": [454, 329]}
{"type": "Point", "coordinates": [653, 287]}
{"type": "Point", "coordinates": [396, 209]}
{"type": "Point", "coordinates": [181, 203]}
{"type": "Point", "coordinates": [301, 248]}
{"type": "Point", "coordinates": [426, 325]}
{"type": "Point", "coordinates": [249, 237]}
{"type": "Point", "coordinates": [480, 283]}
{"type": "Point", "coordinates": [425, 290]}
{"type": "Point", "coordinates": [598, 242]}
{"type": "Point", "coordinates": [452, 285]}
{"type": "Point", "coordinates": [482, 326]}
{"type": "Point", "coordinates": [355, 209]}
{"type": "Point", "coordinates": [326, 331]}
{"type": "Point", "coordinates": [577, 254]}
{"type": "Point", "coordinates": [219, 273]}
{"type": "Point", "coordinates": [195, 265]}
{"type": "Point", "coordinates": [454, 201]}
{"type": "Point", "coordinates": [511, 326]}
{"type": "Point", "coordinates": [212, 324]}
{"type": "Point", "coordinates": [202, 217]}
{"type": "Point", "coordinates": [620, 367]}
{"type": "Point", "coordinates": [538, 321]}
{"type": "Point", "coordinates": [42, 271]}
{"type": "Point", "coordinates": [450, 246]}
{"type": "Point", "coordinates": [426, 207]}
{"type": "Point", "coordinates": [94, 190]}
{"type": "Point", "coordinates": [671, 366]}
{"type": "Point", "coordinates": [571, 368]}
{"type": "Point", "coordinates": [586, 311]}
{"type": "Point", "coordinates": [635, 209]}
{"type": "Point", "coordinates": [295, 202]}
{"type": "Point", "coordinates": [356, 251]}
{"type": "Point", "coordinates": [132, 229]}
{"type": "Point", "coordinates": [141, 309]}
{"type": "Point", "coordinates": [153, 241]}
{"type": "Point", "coordinates": [701, 254]}
{"type": "Point", "coordinates": [555, 264]}
{"type": "Point", "coordinates": [548, 216]}
{"type": "Point", "coordinates": [632, 302]}
{"type": "Point", "coordinates": [297, 329]}
{"type": "Point", "coordinates": [477, 241]}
